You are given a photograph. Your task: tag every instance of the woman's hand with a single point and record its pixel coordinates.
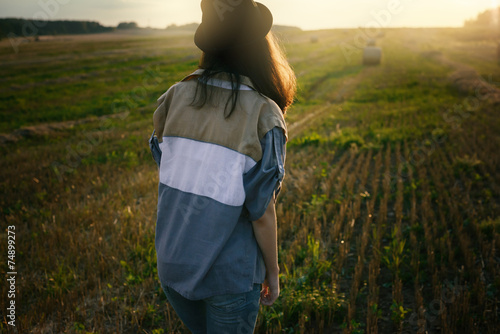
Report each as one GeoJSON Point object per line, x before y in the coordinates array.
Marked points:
{"type": "Point", "coordinates": [270, 290]}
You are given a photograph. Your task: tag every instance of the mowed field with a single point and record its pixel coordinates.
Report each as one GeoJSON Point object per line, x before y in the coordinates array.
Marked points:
{"type": "Point", "coordinates": [388, 221]}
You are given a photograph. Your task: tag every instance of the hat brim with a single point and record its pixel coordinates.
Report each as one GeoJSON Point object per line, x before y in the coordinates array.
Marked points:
{"type": "Point", "coordinates": [209, 44]}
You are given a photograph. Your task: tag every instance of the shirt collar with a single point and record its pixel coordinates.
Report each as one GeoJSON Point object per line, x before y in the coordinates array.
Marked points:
{"type": "Point", "coordinates": [221, 76]}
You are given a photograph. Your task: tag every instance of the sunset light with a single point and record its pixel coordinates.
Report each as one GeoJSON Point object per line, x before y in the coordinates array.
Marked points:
{"type": "Point", "coordinates": [242, 166]}
{"type": "Point", "coordinates": [317, 14]}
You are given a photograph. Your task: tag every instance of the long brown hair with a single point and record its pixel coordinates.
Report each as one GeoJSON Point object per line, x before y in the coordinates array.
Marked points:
{"type": "Point", "coordinates": [263, 62]}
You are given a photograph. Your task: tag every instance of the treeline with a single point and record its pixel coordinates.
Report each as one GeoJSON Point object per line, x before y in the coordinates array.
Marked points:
{"type": "Point", "coordinates": [489, 18]}
{"type": "Point", "coordinates": [16, 27]}
{"type": "Point", "coordinates": [28, 28]}
{"type": "Point", "coordinates": [127, 25]}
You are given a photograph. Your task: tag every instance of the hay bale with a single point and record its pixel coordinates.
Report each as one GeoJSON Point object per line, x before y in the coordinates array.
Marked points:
{"type": "Point", "coordinates": [314, 39]}
{"type": "Point", "coordinates": [372, 55]}
{"type": "Point", "coordinates": [371, 42]}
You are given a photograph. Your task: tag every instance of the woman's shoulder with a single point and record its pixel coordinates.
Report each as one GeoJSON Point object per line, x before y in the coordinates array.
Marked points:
{"type": "Point", "coordinates": [187, 81]}
{"type": "Point", "coordinates": [271, 107]}
{"type": "Point", "coordinates": [270, 116]}
{"type": "Point", "coordinates": [167, 94]}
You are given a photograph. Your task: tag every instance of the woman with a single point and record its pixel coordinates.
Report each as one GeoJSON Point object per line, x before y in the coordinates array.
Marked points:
{"type": "Point", "coordinates": [220, 146]}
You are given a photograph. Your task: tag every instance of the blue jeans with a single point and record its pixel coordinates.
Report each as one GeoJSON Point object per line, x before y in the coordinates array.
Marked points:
{"type": "Point", "coordinates": [223, 314]}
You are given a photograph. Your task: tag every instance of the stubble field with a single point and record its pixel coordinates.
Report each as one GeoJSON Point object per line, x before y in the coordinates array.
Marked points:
{"type": "Point", "coordinates": [389, 216]}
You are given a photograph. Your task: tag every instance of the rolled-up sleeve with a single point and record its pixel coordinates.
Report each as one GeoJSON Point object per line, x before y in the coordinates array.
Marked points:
{"type": "Point", "coordinates": [266, 177]}
{"type": "Point", "coordinates": [155, 148]}
{"type": "Point", "coordinates": [159, 119]}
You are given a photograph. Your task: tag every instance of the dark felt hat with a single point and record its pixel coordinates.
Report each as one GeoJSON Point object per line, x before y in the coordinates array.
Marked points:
{"type": "Point", "coordinates": [229, 24]}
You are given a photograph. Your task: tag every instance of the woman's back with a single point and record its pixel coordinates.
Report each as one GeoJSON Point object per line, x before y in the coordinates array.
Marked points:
{"type": "Point", "coordinates": [220, 148]}
{"type": "Point", "coordinates": [204, 236]}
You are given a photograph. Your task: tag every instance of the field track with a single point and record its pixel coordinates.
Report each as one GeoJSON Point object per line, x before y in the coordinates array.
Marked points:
{"type": "Point", "coordinates": [345, 90]}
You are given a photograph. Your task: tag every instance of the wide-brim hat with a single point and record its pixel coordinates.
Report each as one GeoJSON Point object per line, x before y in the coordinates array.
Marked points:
{"type": "Point", "coordinates": [230, 24]}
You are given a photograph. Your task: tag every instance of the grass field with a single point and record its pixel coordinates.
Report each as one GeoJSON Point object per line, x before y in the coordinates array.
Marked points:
{"type": "Point", "coordinates": [389, 218]}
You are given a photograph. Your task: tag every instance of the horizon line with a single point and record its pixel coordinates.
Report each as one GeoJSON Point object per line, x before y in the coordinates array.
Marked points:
{"type": "Point", "coordinates": [197, 23]}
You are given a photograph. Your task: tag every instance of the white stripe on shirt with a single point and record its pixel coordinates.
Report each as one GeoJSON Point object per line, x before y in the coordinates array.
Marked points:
{"type": "Point", "coordinates": [204, 169]}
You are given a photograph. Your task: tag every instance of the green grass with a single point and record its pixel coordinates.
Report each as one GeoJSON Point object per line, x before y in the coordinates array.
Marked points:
{"type": "Point", "coordinates": [112, 87]}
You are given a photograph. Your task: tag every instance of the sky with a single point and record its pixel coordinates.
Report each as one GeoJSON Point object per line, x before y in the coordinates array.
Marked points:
{"type": "Point", "coordinates": [308, 15]}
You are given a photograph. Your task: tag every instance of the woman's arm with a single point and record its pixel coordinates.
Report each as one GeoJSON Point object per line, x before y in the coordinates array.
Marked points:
{"type": "Point", "coordinates": [265, 230]}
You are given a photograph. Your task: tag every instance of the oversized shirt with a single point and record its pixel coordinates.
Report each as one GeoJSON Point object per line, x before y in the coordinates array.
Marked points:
{"type": "Point", "coordinates": [217, 175]}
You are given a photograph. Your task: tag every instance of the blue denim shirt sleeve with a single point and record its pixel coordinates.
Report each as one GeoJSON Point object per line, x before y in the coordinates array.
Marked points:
{"type": "Point", "coordinates": [155, 148]}
{"type": "Point", "coordinates": [266, 177]}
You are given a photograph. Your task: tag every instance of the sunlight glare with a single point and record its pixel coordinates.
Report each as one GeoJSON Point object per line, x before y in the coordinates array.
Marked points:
{"type": "Point", "coordinates": [494, 12]}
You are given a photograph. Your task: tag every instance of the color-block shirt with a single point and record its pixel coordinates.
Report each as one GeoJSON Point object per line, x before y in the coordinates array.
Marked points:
{"type": "Point", "coordinates": [217, 175]}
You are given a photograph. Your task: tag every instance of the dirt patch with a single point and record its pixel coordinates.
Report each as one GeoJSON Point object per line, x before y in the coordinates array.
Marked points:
{"type": "Point", "coordinates": [467, 81]}
{"type": "Point", "coordinates": [50, 128]}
